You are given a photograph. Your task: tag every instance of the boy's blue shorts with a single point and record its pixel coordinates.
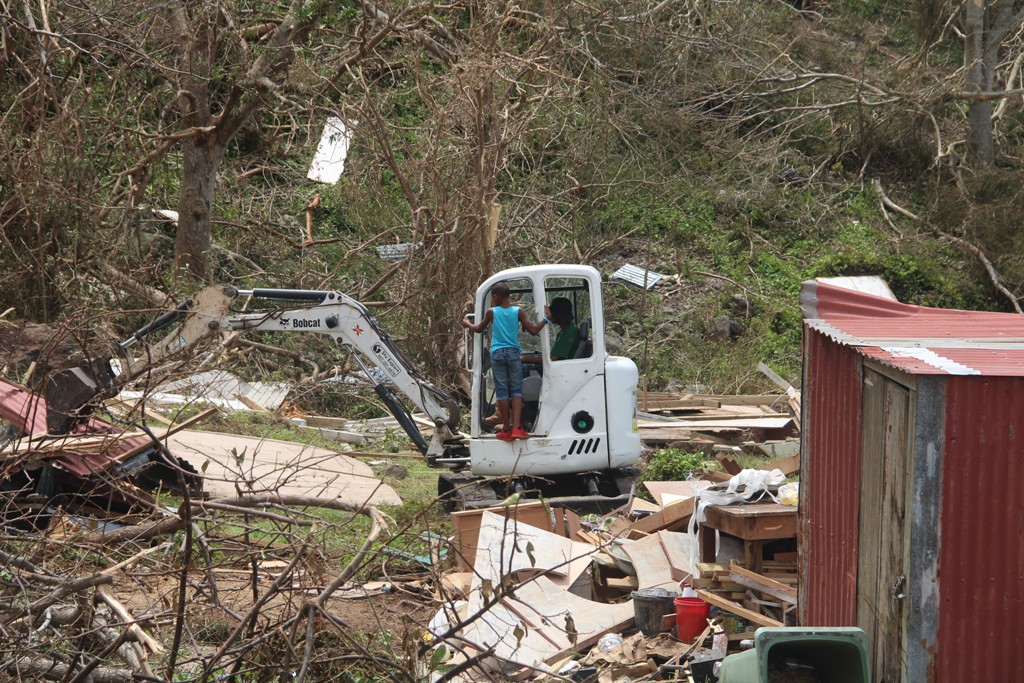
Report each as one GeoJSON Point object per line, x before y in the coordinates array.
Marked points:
{"type": "Point", "coordinates": [507, 368]}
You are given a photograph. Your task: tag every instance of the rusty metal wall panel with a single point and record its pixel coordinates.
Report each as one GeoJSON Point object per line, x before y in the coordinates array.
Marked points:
{"type": "Point", "coordinates": [981, 564]}
{"type": "Point", "coordinates": [829, 482]}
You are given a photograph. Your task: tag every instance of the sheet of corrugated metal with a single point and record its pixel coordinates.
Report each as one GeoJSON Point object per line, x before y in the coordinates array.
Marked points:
{"type": "Point", "coordinates": [916, 339]}
{"type": "Point", "coordinates": [27, 412]}
{"type": "Point", "coordinates": [829, 482]}
{"type": "Point", "coordinates": [982, 550]}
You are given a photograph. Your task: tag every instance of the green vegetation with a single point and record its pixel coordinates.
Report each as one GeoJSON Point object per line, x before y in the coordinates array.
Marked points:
{"type": "Point", "coordinates": [673, 464]}
{"type": "Point", "coordinates": [673, 146]}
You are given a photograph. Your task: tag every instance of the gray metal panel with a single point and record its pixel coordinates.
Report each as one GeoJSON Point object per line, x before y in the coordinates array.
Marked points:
{"type": "Point", "coordinates": [925, 531]}
{"type": "Point", "coordinates": [397, 252]}
{"type": "Point", "coordinates": [635, 275]}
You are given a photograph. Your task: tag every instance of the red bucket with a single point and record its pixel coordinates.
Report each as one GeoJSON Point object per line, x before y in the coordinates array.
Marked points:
{"type": "Point", "coordinates": [691, 617]}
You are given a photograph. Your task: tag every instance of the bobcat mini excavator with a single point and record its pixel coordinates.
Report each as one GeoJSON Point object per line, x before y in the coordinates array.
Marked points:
{"type": "Point", "coordinates": [580, 411]}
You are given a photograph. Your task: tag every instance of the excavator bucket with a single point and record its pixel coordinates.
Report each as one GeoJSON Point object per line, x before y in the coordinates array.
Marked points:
{"type": "Point", "coordinates": [68, 391]}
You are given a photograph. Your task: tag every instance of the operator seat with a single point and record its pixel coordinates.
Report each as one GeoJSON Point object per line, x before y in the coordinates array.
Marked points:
{"type": "Point", "coordinates": [585, 346]}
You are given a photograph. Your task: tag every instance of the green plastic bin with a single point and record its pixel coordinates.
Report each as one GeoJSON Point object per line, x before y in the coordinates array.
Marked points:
{"type": "Point", "coordinates": [832, 655]}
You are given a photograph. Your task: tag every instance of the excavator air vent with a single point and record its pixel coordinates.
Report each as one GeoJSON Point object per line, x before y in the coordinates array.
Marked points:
{"type": "Point", "coordinates": [583, 446]}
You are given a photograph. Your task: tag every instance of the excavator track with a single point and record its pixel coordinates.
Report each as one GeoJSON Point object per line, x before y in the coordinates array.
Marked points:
{"type": "Point", "coordinates": [594, 492]}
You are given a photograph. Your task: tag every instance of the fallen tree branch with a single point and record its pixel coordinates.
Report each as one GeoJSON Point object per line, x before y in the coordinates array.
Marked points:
{"type": "Point", "coordinates": [236, 340]}
{"type": "Point", "coordinates": [990, 269]}
{"type": "Point", "coordinates": [29, 668]}
{"type": "Point", "coordinates": [104, 594]}
{"type": "Point", "coordinates": [877, 185]}
{"type": "Point", "coordinates": [993, 274]}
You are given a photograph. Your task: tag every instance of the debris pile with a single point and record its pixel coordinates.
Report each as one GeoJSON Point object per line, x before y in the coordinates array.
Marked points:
{"type": "Point", "coordinates": [538, 590]}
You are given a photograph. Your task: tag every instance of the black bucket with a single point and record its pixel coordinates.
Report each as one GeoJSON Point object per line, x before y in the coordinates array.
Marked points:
{"type": "Point", "coordinates": [649, 606]}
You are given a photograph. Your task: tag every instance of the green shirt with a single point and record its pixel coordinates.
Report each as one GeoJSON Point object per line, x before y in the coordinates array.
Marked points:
{"type": "Point", "coordinates": [566, 342]}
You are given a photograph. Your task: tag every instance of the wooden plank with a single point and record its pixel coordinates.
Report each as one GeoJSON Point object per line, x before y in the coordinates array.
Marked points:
{"type": "Point", "coordinates": [728, 463]}
{"type": "Point", "coordinates": [787, 466]}
{"type": "Point", "coordinates": [869, 517]}
{"type": "Point", "coordinates": [125, 407]}
{"type": "Point", "coordinates": [713, 476]}
{"type": "Point", "coordinates": [792, 395]}
{"type": "Point", "coordinates": [719, 586]}
{"type": "Point", "coordinates": [777, 590]}
{"type": "Point", "coordinates": [251, 404]}
{"type": "Point", "coordinates": [713, 569]}
{"type": "Point", "coordinates": [737, 609]}
{"type": "Point", "coordinates": [675, 516]}
{"type": "Point", "coordinates": [572, 522]}
{"type": "Point", "coordinates": [323, 422]}
{"type": "Point", "coordinates": [624, 583]}
{"type": "Point", "coordinates": [890, 646]}
{"type": "Point", "coordinates": [738, 423]}
{"type": "Point", "coordinates": [42, 444]}
{"type": "Point", "coordinates": [789, 557]}
{"type": "Point", "coordinates": [163, 434]}
{"type": "Point", "coordinates": [641, 505]}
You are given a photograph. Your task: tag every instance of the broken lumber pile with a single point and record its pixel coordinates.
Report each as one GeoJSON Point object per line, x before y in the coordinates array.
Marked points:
{"type": "Point", "coordinates": [762, 424]}
{"type": "Point", "coordinates": [537, 586]}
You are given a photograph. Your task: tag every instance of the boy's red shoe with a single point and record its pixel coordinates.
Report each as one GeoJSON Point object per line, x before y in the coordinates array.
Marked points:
{"type": "Point", "coordinates": [506, 435]}
{"type": "Point", "coordinates": [520, 433]}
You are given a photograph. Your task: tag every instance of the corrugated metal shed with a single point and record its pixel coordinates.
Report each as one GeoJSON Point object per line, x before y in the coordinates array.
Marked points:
{"type": "Point", "coordinates": [912, 509]}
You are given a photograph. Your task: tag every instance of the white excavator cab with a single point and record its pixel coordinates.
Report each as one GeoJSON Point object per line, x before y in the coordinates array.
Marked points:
{"type": "Point", "coordinates": [579, 402]}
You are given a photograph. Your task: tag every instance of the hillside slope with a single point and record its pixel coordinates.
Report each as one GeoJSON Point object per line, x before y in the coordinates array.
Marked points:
{"type": "Point", "coordinates": [741, 147]}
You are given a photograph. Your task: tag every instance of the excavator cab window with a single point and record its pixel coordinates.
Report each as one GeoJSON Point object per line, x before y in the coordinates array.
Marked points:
{"type": "Point", "coordinates": [570, 304]}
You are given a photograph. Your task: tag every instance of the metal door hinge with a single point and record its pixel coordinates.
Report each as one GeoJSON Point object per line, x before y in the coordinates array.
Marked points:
{"type": "Point", "coordinates": [897, 588]}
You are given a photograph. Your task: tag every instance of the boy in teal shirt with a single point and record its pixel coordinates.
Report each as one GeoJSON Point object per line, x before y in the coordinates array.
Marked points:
{"type": "Point", "coordinates": [506, 356]}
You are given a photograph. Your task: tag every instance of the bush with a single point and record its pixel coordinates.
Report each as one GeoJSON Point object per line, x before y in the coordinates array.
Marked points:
{"type": "Point", "coordinates": [671, 464]}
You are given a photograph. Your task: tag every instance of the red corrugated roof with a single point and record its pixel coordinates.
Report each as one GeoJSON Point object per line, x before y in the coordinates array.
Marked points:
{"type": "Point", "coordinates": [27, 412]}
{"type": "Point", "coordinates": [916, 339]}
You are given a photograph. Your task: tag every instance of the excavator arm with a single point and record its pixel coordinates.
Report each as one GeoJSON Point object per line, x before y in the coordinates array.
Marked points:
{"type": "Point", "coordinates": [211, 311]}
{"type": "Point", "coordinates": [350, 323]}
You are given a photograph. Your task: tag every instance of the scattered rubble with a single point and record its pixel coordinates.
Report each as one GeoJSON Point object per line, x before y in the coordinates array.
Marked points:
{"type": "Point", "coordinates": [546, 585]}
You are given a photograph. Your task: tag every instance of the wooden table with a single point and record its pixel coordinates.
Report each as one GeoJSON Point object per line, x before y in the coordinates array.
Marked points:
{"type": "Point", "coordinates": [754, 524]}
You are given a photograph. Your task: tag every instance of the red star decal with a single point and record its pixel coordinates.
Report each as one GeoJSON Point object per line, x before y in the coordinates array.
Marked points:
{"type": "Point", "coordinates": [358, 330]}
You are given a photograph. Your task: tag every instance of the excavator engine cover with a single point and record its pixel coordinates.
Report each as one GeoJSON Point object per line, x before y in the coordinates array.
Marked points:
{"type": "Point", "coordinates": [68, 390]}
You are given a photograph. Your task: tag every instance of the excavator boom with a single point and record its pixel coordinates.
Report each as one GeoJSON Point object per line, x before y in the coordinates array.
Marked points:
{"type": "Point", "coordinates": [212, 311]}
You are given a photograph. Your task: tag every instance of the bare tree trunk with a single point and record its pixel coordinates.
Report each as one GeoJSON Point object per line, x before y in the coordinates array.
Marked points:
{"type": "Point", "coordinates": [202, 158]}
{"type": "Point", "coordinates": [979, 79]}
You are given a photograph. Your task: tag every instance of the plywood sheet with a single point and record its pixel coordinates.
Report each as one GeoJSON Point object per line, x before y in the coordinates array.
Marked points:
{"type": "Point", "coordinates": [283, 467]}
{"type": "Point", "coordinates": [466, 525]}
{"type": "Point", "coordinates": [683, 489]}
{"type": "Point", "coordinates": [506, 546]}
{"type": "Point", "coordinates": [652, 566]}
{"type": "Point", "coordinates": [680, 553]}
{"type": "Point", "coordinates": [543, 621]}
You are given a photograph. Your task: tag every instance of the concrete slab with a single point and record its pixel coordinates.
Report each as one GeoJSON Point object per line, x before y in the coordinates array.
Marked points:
{"type": "Point", "coordinates": [285, 467]}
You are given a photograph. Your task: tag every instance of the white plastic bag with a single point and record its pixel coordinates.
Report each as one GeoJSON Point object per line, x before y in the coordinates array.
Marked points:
{"type": "Point", "coordinates": [789, 494]}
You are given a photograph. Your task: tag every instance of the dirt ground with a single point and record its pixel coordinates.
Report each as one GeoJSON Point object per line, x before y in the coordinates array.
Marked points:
{"type": "Point", "coordinates": [21, 344]}
{"type": "Point", "coordinates": [152, 599]}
